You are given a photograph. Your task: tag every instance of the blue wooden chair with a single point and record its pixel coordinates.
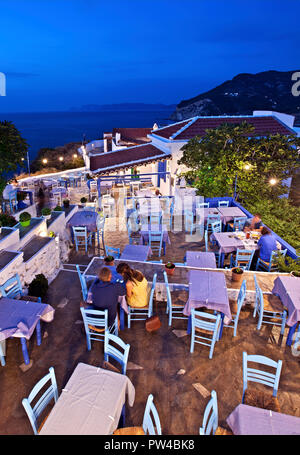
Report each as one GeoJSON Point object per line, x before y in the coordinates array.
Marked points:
{"type": "Point", "coordinates": [156, 242]}
{"type": "Point", "coordinates": [96, 324]}
{"type": "Point", "coordinates": [12, 288]}
{"type": "Point", "coordinates": [212, 218]}
{"type": "Point", "coordinates": [210, 417]}
{"type": "Point", "coordinates": [223, 203]}
{"type": "Point", "coordinates": [265, 377]}
{"type": "Point", "coordinates": [151, 423]}
{"type": "Point", "coordinates": [13, 202]}
{"type": "Point", "coordinates": [2, 352]}
{"type": "Point", "coordinates": [238, 224]}
{"type": "Point", "coordinates": [174, 310]}
{"type": "Point", "coordinates": [83, 283]}
{"type": "Point", "coordinates": [235, 317]}
{"type": "Point", "coordinates": [51, 393]}
{"type": "Point", "coordinates": [216, 227]}
{"type": "Point", "coordinates": [156, 219]}
{"type": "Point", "coordinates": [81, 237]}
{"type": "Point", "coordinates": [269, 309]}
{"type": "Point", "coordinates": [133, 234]}
{"type": "Point", "coordinates": [116, 348]}
{"type": "Point", "coordinates": [203, 205]}
{"type": "Point", "coordinates": [141, 314]}
{"type": "Point", "coordinates": [211, 247]}
{"type": "Point", "coordinates": [111, 251]}
{"type": "Point", "coordinates": [205, 322]}
{"type": "Point", "coordinates": [242, 259]}
{"type": "Point", "coordinates": [189, 221]}
{"type": "Point", "coordinates": [270, 266]}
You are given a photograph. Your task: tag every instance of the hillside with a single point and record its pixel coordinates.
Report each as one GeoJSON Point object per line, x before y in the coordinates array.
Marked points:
{"type": "Point", "coordinates": [269, 90]}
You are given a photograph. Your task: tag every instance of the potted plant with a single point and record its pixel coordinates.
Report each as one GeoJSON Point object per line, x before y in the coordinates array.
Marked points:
{"type": "Point", "coordinates": [46, 212]}
{"type": "Point", "coordinates": [24, 219]}
{"type": "Point", "coordinates": [7, 220]}
{"type": "Point", "coordinates": [109, 260]}
{"type": "Point", "coordinates": [237, 273]}
{"type": "Point", "coordinates": [83, 201]}
{"type": "Point", "coordinates": [58, 208]}
{"type": "Point", "coordinates": [66, 203]}
{"type": "Point", "coordinates": [38, 286]}
{"type": "Point", "coordinates": [169, 267]}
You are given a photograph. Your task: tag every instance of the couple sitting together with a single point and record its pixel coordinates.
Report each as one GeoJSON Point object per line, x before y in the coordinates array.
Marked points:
{"type": "Point", "coordinates": [113, 282]}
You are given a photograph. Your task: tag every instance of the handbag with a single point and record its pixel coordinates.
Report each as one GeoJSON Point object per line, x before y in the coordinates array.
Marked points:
{"type": "Point", "coordinates": [153, 323]}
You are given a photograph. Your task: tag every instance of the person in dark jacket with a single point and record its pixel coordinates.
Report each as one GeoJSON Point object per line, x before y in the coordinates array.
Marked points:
{"type": "Point", "coordinates": [105, 294]}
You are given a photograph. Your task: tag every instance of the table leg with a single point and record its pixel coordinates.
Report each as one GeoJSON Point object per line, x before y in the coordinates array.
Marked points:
{"type": "Point", "coordinates": [24, 350]}
{"type": "Point", "coordinates": [290, 334]}
{"type": "Point", "coordinates": [222, 257]}
{"type": "Point", "coordinates": [122, 419]}
{"type": "Point", "coordinates": [38, 333]}
{"type": "Point", "coordinates": [222, 323]}
{"type": "Point", "coordinates": [122, 323]}
{"type": "Point", "coordinates": [189, 327]}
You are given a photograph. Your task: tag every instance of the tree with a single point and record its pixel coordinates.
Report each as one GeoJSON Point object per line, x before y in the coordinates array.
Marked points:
{"type": "Point", "coordinates": [12, 149]}
{"type": "Point", "coordinates": [227, 158]}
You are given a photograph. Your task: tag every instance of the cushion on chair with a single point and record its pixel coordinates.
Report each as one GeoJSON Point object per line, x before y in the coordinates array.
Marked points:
{"type": "Point", "coordinates": [220, 431]}
{"type": "Point", "coordinates": [108, 366]}
{"type": "Point", "coordinates": [129, 431]}
{"type": "Point", "coordinates": [272, 303]}
{"type": "Point", "coordinates": [262, 400]}
{"type": "Point", "coordinates": [96, 329]}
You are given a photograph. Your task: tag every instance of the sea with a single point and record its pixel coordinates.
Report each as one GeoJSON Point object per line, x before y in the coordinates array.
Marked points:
{"type": "Point", "coordinates": [53, 129]}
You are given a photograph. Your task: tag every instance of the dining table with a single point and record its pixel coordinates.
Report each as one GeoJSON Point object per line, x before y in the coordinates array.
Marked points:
{"type": "Point", "coordinates": [208, 289]}
{"type": "Point", "coordinates": [91, 403]}
{"type": "Point", "coordinates": [201, 259]}
{"type": "Point", "coordinates": [287, 288]}
{"type": "Point", "coordinates": [251, 420]}
{"type": "Point", "coordinates": [20, 318]}
{"type": "Point", "coordinates": [229, 242]}
{"type": "Point", "coordinates": [136, 252]}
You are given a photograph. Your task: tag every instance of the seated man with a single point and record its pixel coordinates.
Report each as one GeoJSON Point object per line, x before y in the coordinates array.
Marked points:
{"type": "Point", "coordinates": [105, 294]}
{"type": "Point", "coordinates": [266, 244]}
{"type": "Point", "coordinates": [253, 224]}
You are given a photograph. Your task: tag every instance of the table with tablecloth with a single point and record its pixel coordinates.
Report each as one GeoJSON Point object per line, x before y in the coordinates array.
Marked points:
{"type": "Point", "coordinates": [208, 289]}
{"type": "Point", "coordinates": [91, 403]}
{"type": "Point", "coordinates": [228, 214]}
{"type": "Point", "coordinates": [251, 420]}
{"type": "Point", "coordinates": [144, 234]}
{"type": "Point", "coordinates": [201, 259]}
{"type": "Point", "coordinates": [136, 252]}
{"type": "Point", "coordinates": [287, 288]}
{"type": "Point", "coordinates": [84, 218]}
{"type": "Point", "coordinates": [229, 242]}
{"type": "Point", "coordinates": [203, 212]}
{"type": "Point", "coordinates": [60, 190]}
{"type": "Point", "coordinates": [19, 319]}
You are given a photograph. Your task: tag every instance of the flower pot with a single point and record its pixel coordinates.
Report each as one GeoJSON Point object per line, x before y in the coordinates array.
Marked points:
{"type": "Point", "coordinates": [169, 270]}
{"type": "Point", "coordinates": [295, 274]}
{"type": "Point", "coordinates": [236, 276]}
{"type": "Point", "coordinates": [25, 223]}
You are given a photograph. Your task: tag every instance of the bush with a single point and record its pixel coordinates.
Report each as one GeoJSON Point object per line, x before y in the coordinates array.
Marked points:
{"type": "Point", "coordinates": [58, 208]}
{"type": "Point", "coordinates": [46, 211]}
{"type": "Point", "coordinates": [83, 200]}
{"type": "Point", "coordinates": [39, 286]}
{"type": "Point", "coordinates": [25, 216]}
{"type": "Point", "coordinates": [7, 220]}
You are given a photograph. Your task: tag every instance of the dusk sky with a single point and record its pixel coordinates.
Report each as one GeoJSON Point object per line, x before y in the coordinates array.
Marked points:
{"type": "Point", "coordinates": [62, 53]}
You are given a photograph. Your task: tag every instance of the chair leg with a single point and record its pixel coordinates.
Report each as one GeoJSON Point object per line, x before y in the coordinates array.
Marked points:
{"type": "Point", "coordinates": [38, 333]}
{"type": "Point", "coordinates": [24, 350]}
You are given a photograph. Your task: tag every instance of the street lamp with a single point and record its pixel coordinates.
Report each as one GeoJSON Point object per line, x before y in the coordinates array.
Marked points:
{"type": "Point", "coordinates": [272, 181]}
{"type": "Point", "coordinates": [45, 161]}
{"type": "Point", "coordinates": [61, 158]}
{"type": "Point", "coordinates": [75, 155]}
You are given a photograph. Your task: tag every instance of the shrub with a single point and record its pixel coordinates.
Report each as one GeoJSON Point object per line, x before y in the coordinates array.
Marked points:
{"type": "Point", "coordinates": [58, 208]}
{"type": "Point", "coordinates": [46, 211]}
{"type": "Point", "coordinates": [7, 220]}
{"type": "Point", "coordinates": [25, 216]}
{"type": "Point", "coordinates": [83, 200]}
{"type": "Point", "coordinates": [169, 265]}
{"type": "Point", "coordinates": [38, 286]}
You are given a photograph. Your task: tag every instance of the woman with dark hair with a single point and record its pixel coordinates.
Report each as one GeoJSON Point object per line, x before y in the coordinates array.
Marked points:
{"type": "Point", "coordinates": [137, 289]}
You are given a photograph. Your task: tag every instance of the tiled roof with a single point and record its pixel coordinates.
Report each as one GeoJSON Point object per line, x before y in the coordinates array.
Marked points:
{"type": "Point", "coordinates": [133, 135]}
{"type": "Point", "coordinates": [197, 126]}
{"type": "Point", "coordinates": [128, 157]}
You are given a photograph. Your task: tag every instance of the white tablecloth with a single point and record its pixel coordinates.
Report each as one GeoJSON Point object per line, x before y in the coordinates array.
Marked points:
{"type": "Point", "coordinates": [90, 403]}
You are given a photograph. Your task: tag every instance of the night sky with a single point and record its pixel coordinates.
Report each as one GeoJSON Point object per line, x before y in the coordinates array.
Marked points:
{"type": "Point", "coordinates": [62, 53]}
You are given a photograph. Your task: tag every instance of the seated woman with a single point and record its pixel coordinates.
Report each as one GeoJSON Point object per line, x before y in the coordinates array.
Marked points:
{"type": "Point", "coordinates": [137, 289]}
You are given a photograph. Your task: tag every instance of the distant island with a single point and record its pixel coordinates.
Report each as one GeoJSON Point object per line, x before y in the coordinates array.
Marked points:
{"type": "Point", "coordinates": [123, 107]}
{"type": "Point", "coordinates": [245, 93]}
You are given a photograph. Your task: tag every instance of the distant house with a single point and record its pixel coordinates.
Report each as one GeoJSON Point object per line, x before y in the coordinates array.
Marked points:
{"type": "Point", "coordinates": [159, 149]}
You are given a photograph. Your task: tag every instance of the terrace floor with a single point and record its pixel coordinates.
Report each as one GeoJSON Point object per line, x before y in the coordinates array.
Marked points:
{"type": "Point", "coordinates": [159, 363]}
